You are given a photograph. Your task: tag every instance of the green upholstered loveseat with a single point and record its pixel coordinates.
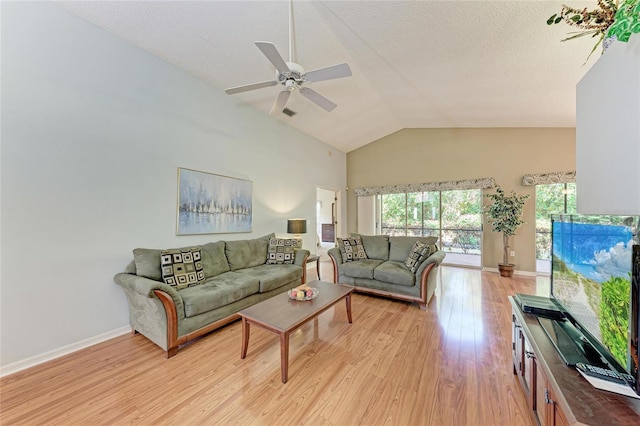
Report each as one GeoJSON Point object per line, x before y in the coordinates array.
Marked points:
{"type": "Point", "coordinates": [384, 272]}
{"type": "Point", "coordinates": [235, 276]}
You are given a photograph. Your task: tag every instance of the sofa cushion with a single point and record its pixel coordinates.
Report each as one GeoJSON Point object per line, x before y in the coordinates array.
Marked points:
{"type": "Point", "coordinates": [271, 277]}
{"type": "Point", "coordinates": [419, 252]}
{"type": "Point", "coordinates": [351, 249]}
{"type": "Point", "coordinates": [214, 260]}
{"type": "Point", "coordinates": [218, 291]}
{"type": "Point", "coordinates": [399, 247]}
{"type": "Point", "coordinates": [182, 267]}
{"type": "Point", "coordinates": [282, 250]}
{"type": "Point", "coordinates": [147, 263]}
{"type": "Point", "coordinates": [376, 246]}
{"type": "Point", "coordinates": [247, 253]}
{"type": "Point", "coordinates": [361, 269]}
{"type": "Point", "coordinates": [394, 272]}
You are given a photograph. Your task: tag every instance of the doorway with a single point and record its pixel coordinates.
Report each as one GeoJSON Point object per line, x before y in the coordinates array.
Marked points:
{"type": "Point", "coordinates": [326, 220]}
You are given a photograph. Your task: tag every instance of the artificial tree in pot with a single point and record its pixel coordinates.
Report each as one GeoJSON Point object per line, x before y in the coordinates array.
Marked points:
{"type": "Point", "coordinates": [504, 215]}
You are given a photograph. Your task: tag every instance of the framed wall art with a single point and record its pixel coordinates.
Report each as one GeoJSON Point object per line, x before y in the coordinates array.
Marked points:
{"type": "Point", "coordinates": [213, 204]}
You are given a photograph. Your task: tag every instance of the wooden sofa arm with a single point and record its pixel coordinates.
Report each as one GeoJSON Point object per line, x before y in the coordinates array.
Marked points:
{"type": "Point", "coordinates": [336, 258]}
{"type": "Point", "coordinates": [425, 291]}
{"type": "Point", "coordinates": [304, 268]}
{"type": "Point", "coordinates": [172, 322]}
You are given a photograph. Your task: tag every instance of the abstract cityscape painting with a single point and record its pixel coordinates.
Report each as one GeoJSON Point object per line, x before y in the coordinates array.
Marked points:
{"type": "Point", "coordinates": [213, 204]}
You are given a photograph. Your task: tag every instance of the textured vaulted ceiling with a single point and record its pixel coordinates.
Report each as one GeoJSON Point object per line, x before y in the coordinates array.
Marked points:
{"type": "Point", "coordinates": [416, 64]}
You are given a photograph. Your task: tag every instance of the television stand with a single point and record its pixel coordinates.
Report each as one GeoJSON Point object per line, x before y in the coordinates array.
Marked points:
{"type": "Point", "coordinates": [557, 394]}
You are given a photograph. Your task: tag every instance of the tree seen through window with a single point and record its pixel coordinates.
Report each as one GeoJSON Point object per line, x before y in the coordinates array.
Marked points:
{"type": "Point", "coordinates": [455, 217]}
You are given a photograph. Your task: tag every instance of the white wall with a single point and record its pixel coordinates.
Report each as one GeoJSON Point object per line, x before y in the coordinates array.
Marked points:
{"type": "Point", "coordinates": [439, 155]}
{"type": "Point", "coordinates": [93, 131]}
{"type": "Point", "coordinates": [608, 133]}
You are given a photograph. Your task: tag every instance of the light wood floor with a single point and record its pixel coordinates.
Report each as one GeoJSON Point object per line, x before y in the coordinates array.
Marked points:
{"type": "Point", "coordinates": [395, 365]}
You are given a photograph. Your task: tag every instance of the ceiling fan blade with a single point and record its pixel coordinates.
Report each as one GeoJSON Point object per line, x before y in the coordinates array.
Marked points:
{"type": "Point", "coordinates": [270, 51]}
{"type": "Point", "coordinates": [328, 73]}
{"type": "Point", "coordinates": [318, 99]}
{"type": "Point", "coordinates": [247, 87]}
{"type": "Point", "coordinates": [280, 102]}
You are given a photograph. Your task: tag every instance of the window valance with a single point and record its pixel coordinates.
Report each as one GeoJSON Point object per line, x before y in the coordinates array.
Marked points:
{"type": "Point", "coordinates": [549, 178]}
{"type": "Point", "coordinates": [483, 183]}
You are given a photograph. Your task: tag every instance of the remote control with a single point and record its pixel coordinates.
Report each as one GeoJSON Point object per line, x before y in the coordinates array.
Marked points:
{"type": "Point", "coordinates": [605, 374]}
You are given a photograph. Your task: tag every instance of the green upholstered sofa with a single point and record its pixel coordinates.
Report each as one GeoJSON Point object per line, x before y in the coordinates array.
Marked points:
{"type": "Point", "coordinates": [384, 272]}
{"type": "Point", "coordinates": [235, 276]}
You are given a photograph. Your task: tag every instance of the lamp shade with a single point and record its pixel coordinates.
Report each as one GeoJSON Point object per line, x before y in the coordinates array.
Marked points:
{"type": "Point", "coordinates": [297, 226]}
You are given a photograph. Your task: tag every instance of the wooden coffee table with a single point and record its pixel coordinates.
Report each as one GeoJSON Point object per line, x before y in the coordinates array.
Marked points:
{"type": "Point", "coordinates": [282, 315]}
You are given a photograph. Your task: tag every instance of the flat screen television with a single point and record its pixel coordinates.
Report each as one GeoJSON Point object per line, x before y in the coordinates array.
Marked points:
{"type": "Point", "coordinates": [595, 280]}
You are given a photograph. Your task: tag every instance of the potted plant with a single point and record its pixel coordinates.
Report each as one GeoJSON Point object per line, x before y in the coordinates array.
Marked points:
{"type": "Point", "coordinates": [505, 215]}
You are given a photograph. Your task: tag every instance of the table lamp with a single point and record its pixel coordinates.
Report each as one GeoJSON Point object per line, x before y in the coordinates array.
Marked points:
{"type": "Point", "coordinates": [297, 227]}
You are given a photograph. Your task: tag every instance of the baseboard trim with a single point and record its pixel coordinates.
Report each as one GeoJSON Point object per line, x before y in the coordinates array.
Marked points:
{"type": "Point", "coordinates": [455, 265]}
{"type": "Point", "coordinates": [526, 273]}
{"type": "Point", "coordinates": [516, 272]}
{"type": "Point", "coordinates": [14, 367]}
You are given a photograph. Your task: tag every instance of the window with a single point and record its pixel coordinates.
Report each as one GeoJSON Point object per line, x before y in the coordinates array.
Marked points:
{"type": "Point", "coordinates": [455, 217]}
{"type": "Point", "coordinates": [462, 221]}
{"type": "Point", "coordinates": [394, 214]}
{"type": "Point", "coordinates": [558, 198]}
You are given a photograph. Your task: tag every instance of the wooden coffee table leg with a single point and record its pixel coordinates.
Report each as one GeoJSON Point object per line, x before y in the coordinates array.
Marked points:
{"type": "Point", "coordinates": [284, 356]}
{"type": "Point", "coordinates": [245, 338]}
{"type": "Point", "coordinates": [348, 301]}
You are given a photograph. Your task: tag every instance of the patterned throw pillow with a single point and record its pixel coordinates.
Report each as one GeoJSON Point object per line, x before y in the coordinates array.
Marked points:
{"type": "Point", "coordinates": [352, 249]}
{"type": "Point", "coordinates": [182, 267]}
{"type": "Point", "coordinates": [282, 251]}
{"type": "Point", "coordinates": [418, 253]}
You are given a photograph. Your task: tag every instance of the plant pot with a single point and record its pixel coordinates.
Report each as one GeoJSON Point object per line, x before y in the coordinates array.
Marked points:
{"type": "Point", "coordinates": [506, 270]}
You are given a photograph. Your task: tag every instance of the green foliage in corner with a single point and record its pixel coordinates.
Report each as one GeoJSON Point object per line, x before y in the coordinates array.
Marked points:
{"type": "Point", "coordinates": [611, 18]}
{"type": "Point", "coordinates": [614, 316]}
{"type": "Point", "coordinates": [627, 21]}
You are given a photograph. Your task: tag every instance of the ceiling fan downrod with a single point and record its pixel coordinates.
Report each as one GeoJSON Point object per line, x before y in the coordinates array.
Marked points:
{"type": "Point", "coordinates": [290, 30]}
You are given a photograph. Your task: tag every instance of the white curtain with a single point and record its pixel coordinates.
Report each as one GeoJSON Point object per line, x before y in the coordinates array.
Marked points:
{"type": "Point", "coordinates": [367, 215]}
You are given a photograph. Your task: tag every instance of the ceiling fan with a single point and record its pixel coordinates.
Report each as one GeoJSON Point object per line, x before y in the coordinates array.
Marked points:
{"type": "Point", "coordinates": [292, 76]}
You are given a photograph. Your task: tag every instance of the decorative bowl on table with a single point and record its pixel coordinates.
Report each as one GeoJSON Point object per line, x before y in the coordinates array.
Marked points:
{"type": "Point", "coordinates": [309, 294]}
